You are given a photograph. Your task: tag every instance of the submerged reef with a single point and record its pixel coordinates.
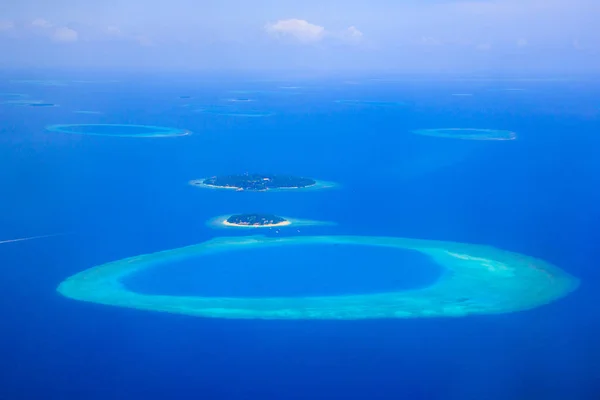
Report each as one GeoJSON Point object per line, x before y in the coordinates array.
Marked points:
{"type": "Point", "coordinates": [118, 130]}
{"type": "Point", "coordinates": [41, 105]}
{"type": "Point", "coordinates": [255, 182]}
{"type": "Point", "coordinates": [40, 82]}
{"type": "Point", "coordinates": [240, 100]}
{"type": "Point", "coordinates": [230, 111]}
{"type": "Point", "coordinates": [477, 280]}
{"type": "Point", "coordinates": [87, 112]}
{"type": "Point", "coordinates": [370, 103]}
{"type": "Point", "coordinates": [468, 133]}
{"type": "Point", "coordinates": [13, 95]}
{"type": "Point", "coordinates": [30, 103]}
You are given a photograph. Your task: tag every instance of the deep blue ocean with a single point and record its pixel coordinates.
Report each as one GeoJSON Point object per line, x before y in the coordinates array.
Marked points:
{"type": "Point", "coordinates": [114, 197]}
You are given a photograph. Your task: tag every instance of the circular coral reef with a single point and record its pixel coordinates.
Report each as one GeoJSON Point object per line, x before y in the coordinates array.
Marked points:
{"type": "Point", "coordinates": [477, 280]}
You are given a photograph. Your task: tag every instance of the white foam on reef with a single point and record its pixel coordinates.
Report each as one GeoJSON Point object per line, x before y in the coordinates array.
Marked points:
{"type": "Point", "coordinates": [468, 133]}
{"type": "Point", "coordinates": [153, 131]}
{"type": "Point", "coordinates": [220, 222]}
{"type": "Point", "coordinates": [316, 186]}
{"type": "Point", "coordinates": [477, 280]}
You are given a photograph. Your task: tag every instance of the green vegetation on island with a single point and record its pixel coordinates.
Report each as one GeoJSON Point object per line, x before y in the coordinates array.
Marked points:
{"type": "Point", "coordinates": [255, 219]}
{"type": "Point", "coordinates": [258, 182]}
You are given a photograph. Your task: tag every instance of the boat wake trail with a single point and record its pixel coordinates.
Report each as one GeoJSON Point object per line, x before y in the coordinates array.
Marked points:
{"type": "Point", "coordinates": [32, 237]}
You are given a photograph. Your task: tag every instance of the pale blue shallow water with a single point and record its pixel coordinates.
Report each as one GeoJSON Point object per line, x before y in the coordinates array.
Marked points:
{"type": "Point", "coordinates": [116, 197]}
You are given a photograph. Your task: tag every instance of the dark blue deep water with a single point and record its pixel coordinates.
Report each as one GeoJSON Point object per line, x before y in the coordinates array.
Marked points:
{"type": "Point", "coordinates": [116, 197]}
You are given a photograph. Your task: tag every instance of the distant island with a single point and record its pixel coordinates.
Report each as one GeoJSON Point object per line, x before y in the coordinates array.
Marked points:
{"type": "Point", "coordinates": [256, 220]}
{"type": "Point", "coordinates": [468, 133]}
{"type": "Point", "coordinates": [258, 182]}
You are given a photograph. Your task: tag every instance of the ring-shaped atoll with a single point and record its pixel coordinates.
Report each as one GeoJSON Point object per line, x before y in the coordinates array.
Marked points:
{"type": "Point", "coordinates": [260, 183]}
{"type": "Point", "coordinates": [468, 133]}
{"type": "Point", "coordinates": [118, 130]}
{"type": "Point", "coordinates": [477, 280]}
{"type": "Point", "coordinates": [261, 221]}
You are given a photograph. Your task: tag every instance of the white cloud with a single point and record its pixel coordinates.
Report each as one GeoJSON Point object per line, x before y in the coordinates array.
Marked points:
{"type": "Point", "coordinates": [522, 43]}
{"type": "Point", "coordinates": [6, 26]}
{"type": "Point", "coordinates": [299, 29]}
{"type": "Point", "coordinates": [430, 41]}
{"type": "Point", "coordinates": [484, 47]}
{"type": "Point", "coordinates": [41, 23]}
{"type": "Point", "coordinates": [64, 34]}
{"type": "Point", "coordinates": [352, 34]}
{"type": "Point", "coordinates": [305, 32]}
{"type": "Point", "coordinates": [143, 40]}
{"type": "Point", "coordinates": [113, 30]}
{"type": "Point", "coordinates": [577, 45]}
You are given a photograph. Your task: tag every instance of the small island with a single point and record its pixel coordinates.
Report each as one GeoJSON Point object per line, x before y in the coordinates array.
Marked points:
{"type": "Point", "coordinates": [258, 182]}
{"type": "Point", "coordinates": [260, 220]}
{"type": "Point", "coordinates": [256, 220]}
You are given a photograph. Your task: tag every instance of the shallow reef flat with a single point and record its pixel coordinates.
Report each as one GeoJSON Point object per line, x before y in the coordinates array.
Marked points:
{"type": "Point", "coordinates": [40, 82]}
{"type": "Point", "coordinates": [118, 130]}
{"type": "Point", "coordinates": [232, 112]}
{"type": "Point", "coordinates": [29, 103]}
{"type": "Point", "coordinates": [87, 112]}
{"type": "Point", "coordinates": [477, 280]}
{"type": "Point", "coordinates": [371, 103]}
{"type": "Point", "coordinates": [10, 96]}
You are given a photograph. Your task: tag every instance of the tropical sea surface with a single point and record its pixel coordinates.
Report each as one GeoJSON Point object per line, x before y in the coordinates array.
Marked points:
{"type": "Point", "coordinates": [106, 198]}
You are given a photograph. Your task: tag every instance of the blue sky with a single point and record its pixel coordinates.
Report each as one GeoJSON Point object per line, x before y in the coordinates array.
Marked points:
{"type": "Point", "coordinates": [330, 35]}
